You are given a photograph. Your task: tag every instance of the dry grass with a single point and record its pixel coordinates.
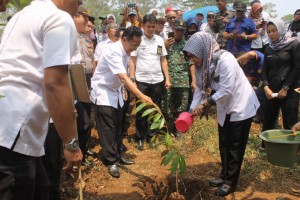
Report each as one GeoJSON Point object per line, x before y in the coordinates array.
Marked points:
{"type": "Point", "coordinates": [255, 167]}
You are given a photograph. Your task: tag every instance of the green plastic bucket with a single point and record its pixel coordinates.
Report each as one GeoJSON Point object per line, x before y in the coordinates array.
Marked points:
{"type": "Point", "coordinates": [282, 148]}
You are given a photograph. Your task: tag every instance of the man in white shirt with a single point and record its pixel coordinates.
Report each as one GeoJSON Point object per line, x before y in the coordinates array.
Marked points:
{"type": "Point", "coordinates": [111, 29]}
{"type": "Point", "coordinates": [148, 66]}
{"type": "Point", "coordinates": [107, 95]}
{"type": "Point", "coordinates": [168, 27]}
{"type": "Point", "coordinates": [35, 52]}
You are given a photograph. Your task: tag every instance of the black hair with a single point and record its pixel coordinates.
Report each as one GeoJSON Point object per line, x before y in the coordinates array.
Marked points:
{"type": "Point", "coordinates": [221, 0]}
{"type": "Point", "coordinates": [298, 10]}
{"type": "Point", "coordinates": [119, 30]}
{"type": "Point", "coordinates": [92, 19]}
{"type": "Point", "coordinates": [270, 23]}
{"type": "Point", "coordinates": [149, 18]}
{"type": "Point", "coordinates": [253, 2]}
{"type": "Point", "coordinates": [210, 15]}
{"type": "Point", "coordinates": [132, 32]}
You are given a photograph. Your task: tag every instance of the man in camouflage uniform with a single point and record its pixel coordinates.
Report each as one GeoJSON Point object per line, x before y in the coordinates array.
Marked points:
{"type": "Point", "coordinates": [175, 100]}
{"type": "Point", "coordinates": [221, 19]}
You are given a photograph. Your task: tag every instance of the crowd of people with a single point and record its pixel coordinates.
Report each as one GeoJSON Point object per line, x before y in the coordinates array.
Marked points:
{"type": "Point", "coordinates": [244, 63]}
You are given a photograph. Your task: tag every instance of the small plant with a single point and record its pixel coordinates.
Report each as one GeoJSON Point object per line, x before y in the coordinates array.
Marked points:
{"type": "Point", "coordinates": [171, 155]}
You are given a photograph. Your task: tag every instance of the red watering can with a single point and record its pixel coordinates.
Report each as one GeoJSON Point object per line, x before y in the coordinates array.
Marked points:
{"type": "Point", "coordinates": [184, 122]}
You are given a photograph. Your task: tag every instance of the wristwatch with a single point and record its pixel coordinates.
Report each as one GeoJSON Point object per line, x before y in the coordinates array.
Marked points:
{"type": "Point", "coordinates": [246, 37]}
{"type": "Point", "coordinates": [204, 103]}
{"type": "Point", "coordinates": [72, 146]}
{"type": "Point", "coordinates": [132, 79]}
{"type": "Point", "coordinates": [285, 87]}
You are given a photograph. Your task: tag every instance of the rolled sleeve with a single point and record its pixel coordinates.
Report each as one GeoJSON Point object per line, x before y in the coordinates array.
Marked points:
{"type": "Point", "coordinates": [197, 98]}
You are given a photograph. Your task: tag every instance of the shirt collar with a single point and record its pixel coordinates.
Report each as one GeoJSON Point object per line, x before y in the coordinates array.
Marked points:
{"type": "Point", "coordinates": [50, 2]}
{"type": "Point", "coordinates": [80, 35]}
{"type": "Point", "coordinates": [243, 20]}
{"type": "Point", "coordinates": [151, 40]}
{"type": "Point", "coordinates": [122, 48]}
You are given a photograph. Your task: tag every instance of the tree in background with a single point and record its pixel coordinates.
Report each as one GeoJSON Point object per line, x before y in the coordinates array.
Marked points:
{"type": "Point", "coordinates": [19, 4]}
{"type": "Point", "coordinates": [13, 7]}
{"type": "Point", "coordinates": [288, 18]}
{"type": "Point", "coordinates": [270, 8]}
{"type": "Point", "coordinates": [192, 4]}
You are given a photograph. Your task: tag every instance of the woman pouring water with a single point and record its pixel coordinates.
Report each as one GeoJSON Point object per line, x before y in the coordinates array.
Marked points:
{"type": "Point", "coordinates": [234, 98]}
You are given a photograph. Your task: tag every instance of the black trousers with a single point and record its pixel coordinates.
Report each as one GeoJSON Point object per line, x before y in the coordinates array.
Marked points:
{"type": "Point", "coordinates": [289, 109]}
{"type": "Point", "coordinates": [108, 123]}
{"type": "Point", "coordinates": [52, 160]}
{"type": "Point", "coordinates": [83, 125]}
{"type": "Point", "coordinates": [22, 177]}
{"type": "Point", "coordinates": [233, 137]}
{"type": "Point", "coordinates": [260, 93]}
{"type": "Point", "coordinates": [155, 92]}
{"type": "Point", "coordinates": [125, 111]}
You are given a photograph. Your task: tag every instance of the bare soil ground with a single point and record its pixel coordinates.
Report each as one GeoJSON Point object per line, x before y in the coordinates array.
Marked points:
{"type": "Point", "coordinates": [148, 180]}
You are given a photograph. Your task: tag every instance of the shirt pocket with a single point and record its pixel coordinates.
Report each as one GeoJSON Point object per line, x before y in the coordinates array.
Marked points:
{"type": "Point", "coordinates": [245, 29]}
{"type": "Point", "coordinates": [231, 27]}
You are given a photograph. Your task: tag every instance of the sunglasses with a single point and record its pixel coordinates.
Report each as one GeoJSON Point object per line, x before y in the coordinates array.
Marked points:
{"type": "Point", "coordinates": [179, 30]}
{"type": "Point", "coordinates": [171, 17]}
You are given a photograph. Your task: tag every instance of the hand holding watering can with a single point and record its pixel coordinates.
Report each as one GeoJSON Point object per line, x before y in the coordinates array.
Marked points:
{"type": "Point", "coordinates": [186, 119]}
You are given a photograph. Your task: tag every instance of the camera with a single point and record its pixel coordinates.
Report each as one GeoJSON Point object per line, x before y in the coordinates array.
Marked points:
{"type": "Point", "coordinates": [170, 34]}
{"type": "Point", "coordinates": [131, 5]}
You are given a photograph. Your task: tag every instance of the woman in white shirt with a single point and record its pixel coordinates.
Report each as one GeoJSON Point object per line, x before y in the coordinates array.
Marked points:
{"type": "Point", "coordinates": [234, 98]}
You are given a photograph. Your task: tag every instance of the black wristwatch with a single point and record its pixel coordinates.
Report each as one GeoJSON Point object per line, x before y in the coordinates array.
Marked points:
{"type": "Point", "coordinates": [285, 87]}
{"type": "Point", "coordinates": [133, 80]}
{"type": "Point", "coordinates": [72, 146]}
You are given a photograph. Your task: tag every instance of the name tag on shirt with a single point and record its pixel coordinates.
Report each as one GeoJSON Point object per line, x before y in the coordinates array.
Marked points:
{"type": "Point", "coordinates": [159, 50]}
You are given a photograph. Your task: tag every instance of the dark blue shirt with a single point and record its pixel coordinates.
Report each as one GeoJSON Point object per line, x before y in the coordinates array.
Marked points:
{"type": "Point", "coordinates": [254, 66]}
{"type": "Point", "coordinates": [245, 26]}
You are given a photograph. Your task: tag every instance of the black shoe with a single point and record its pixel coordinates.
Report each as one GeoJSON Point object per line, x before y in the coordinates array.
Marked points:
{"type": "Point", "coordinates": [124, 134]}
{"type": "Point", "coordinates": [124, 161]}
{"type": "Point", "coordinates": [216, 182]}
{"type": "Point", "coordinates": [148, 139]}
{"type": "Point", "coordinates": [91, 153]}
{"type": "Point", "coordinates": [176, 134]}
{"type": "Point", "coordinates": [113, 170]}
{"type": "Point", "coordinates": [123, 148]}
{"type": "Point", "coordinates": [140, 145]}
{"type": "Point", "coordinates": [224, 190]}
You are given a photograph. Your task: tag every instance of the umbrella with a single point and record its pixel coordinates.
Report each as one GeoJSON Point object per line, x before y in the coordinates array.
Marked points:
{"type": "Point", "coordinates": [203, 10]}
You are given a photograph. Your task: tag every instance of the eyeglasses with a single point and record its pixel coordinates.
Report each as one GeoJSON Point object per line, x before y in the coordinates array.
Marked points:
{"type": "Point", "coordinates": [171, 17]}
{"type": "Point", "coordinates": [179, 30]}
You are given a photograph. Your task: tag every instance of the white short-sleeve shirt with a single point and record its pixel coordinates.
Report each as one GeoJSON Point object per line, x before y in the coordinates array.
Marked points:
{"type": "Point", "coordinates": [101, 46]}
{"type": "Point", "coordinates": [148, 60]}
{"type": "Point", "coordinates": [106, 84]}
{"type": "Point", "coordinates": [37, 37]}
